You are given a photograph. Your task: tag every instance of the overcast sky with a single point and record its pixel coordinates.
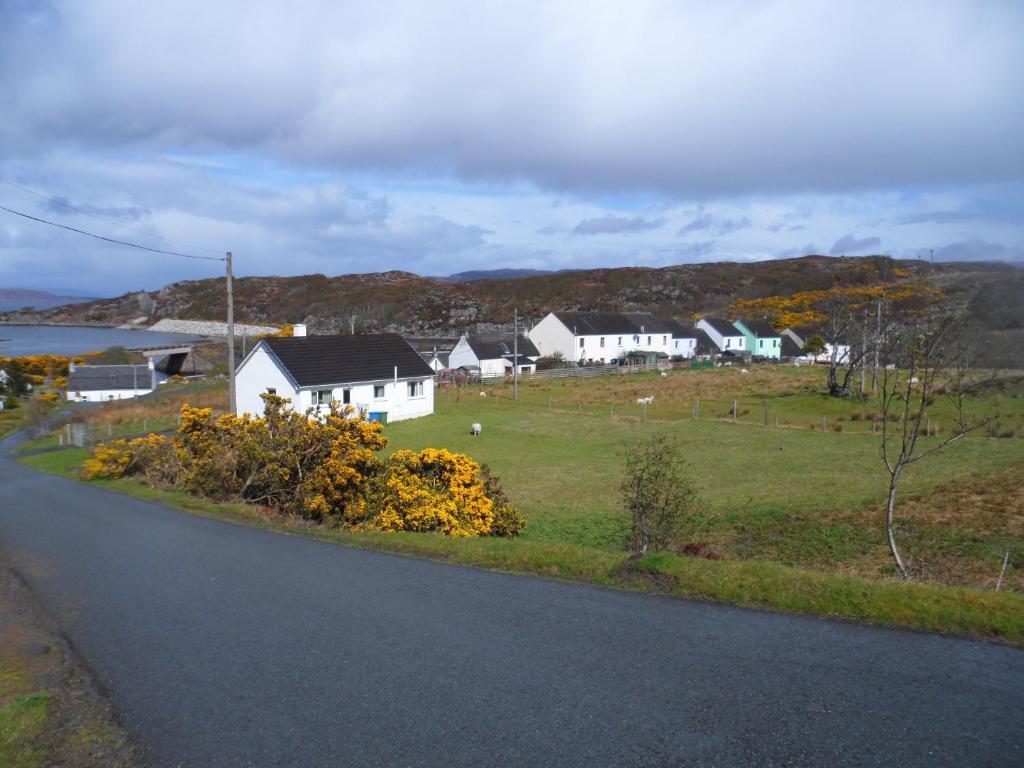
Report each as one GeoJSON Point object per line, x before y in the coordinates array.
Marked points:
{"type": "Point", "coordinates": [441, 136]}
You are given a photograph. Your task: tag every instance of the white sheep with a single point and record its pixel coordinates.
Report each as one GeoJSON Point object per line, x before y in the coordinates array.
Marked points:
{"type": "Point", "coordinates": [645, 400]}
{"type": "Point", "coordinates": [664, 375]}
{"type": "Point", "coordinates": [744, 371]}
{"type": "Point", "coordinates": [475, 428]}
{"type": "Point", "coordinates": [483, 394]}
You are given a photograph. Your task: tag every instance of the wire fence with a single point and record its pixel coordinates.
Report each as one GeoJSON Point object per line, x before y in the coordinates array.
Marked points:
{"type": "Point", "coordinates": [773, 414]}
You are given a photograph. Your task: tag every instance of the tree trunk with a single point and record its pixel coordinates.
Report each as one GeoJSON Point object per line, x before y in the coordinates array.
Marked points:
{"type": "Point", "coordinates": [890, 509]}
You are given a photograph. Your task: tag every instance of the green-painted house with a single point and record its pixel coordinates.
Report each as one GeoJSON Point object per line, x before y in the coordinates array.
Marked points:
{"type": "Point", "coordinates": [761, 339]}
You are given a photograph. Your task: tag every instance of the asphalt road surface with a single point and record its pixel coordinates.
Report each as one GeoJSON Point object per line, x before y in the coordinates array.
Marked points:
{"type": "Point", "coordinates": [223, 646]}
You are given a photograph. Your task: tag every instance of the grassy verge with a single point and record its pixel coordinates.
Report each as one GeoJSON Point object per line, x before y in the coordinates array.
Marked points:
{"type": "Point", "coordinates": [50, 714]}
{"type": "Point", "coordinates": [752, 583]}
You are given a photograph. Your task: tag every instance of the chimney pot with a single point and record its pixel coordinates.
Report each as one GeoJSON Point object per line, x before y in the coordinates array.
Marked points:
{"type": "Point", "coordinates": [299, 329]}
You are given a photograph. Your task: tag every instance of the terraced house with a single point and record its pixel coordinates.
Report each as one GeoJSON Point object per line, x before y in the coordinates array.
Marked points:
{"type": "Point", "coordinates": [602, 337]}
{"type": "Point", "coordinates": [761, 339]}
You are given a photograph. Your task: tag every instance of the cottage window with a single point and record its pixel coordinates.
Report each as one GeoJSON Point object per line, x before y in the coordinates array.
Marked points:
{"type": "Point", "coordinates": [378, 391]}
{"type": "Point", "coordinates": [620, 341]}
{"type": "Point", "coordinates": [346, 396]}
{"type": "Point", "coordinates": [648, 341]}
{"type": "Point", "coordinates": [415, 389]}
{"type": "Point", "coordinates": [728, 343]}
{"type": "Point", "coordinates": [271, 390]}
{"type": "Point", "coordinates": [581, 342]}
{"type": "Point", "coordinates": [602, 341]}
{"type": "Point", "coordinates": [323, 396]}
{"type": "Point", "coordinates": [760, 343]}
{"type": "Point", "coordinates": [664, 339]}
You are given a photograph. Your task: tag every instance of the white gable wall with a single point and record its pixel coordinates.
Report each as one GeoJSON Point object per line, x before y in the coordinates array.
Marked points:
{"type": "Point", "coordinates": [550, 336]}
{"type": "Point", "coordinates": [259, 373]}
{"type": "Point", "coordinates": [462, 354]}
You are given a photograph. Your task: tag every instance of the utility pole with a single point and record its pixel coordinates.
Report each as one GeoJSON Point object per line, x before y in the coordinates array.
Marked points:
{"type": "Point", "coordinates": [515, 354]}
{"type": "Point", "coordinates": [231, 334]}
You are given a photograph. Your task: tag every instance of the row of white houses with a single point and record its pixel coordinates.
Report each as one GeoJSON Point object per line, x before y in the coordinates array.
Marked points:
{"type": "Point", "coordinates": [383, 377]}
{"type": "Point", "coordinates": [603, 337]}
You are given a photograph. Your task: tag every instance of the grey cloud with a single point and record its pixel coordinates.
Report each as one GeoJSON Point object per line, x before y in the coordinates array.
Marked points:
{"type": "Point", "coordinates": [977, 250]}
{"type": "Point", "coordinates": [333, 85]}
{"type": "Point", "coordinates": [130, 213]}
{"type": "Point", "coordinates": [611, 224]}
{"type": "Point", "coordinates": [551, 229]}
{"type": "Point", "coordinates": [717, 226]}
{"type": "Point", "coordinates": [851, 245]}
{"type": "Point", "coordinates": [935, 217]}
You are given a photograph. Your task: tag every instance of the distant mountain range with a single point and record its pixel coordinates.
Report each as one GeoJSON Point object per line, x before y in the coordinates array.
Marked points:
{"type": "Point", "coordinates": [497, 274]}
{"type": "Point", "coordinates": [12, 299]}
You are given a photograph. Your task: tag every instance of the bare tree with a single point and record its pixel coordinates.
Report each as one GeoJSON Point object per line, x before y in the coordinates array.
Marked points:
{"type": "Point", "coordinates": [841, 327]}
{"type": "Point", "coordinates": [927, 361]}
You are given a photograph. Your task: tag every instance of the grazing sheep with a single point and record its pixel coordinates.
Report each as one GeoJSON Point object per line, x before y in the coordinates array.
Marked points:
{"type": "Point", "coordinates": [744, 371]}
{"type": "Point", "coordinates": [913, 380]}
{"type": "Point", "coordinates": [474, 430]}
{"type": "Point", "coordinates": [664, 375]}
{"type": "Point", "coordinates": [483, 394]}
{"type": "Point", "coordinates": [645, 400]}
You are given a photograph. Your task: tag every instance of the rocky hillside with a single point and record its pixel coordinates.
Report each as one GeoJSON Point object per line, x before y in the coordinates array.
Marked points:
{"type": "Point", "coordinates": [412, 304]}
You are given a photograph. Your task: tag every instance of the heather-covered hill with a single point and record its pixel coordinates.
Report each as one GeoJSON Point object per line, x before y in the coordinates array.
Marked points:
{"type": "Point", "coordinates": [413, 304]}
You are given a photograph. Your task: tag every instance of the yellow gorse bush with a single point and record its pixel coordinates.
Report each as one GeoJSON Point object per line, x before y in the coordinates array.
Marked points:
{"type": "Point", "coordinates": [434, 490]}
{"type": "Point", "coordinates": [326, 470]}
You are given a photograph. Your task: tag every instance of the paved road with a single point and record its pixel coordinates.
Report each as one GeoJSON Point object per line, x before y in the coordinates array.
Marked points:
{"type": "Point", "coordinates": [227, 646]}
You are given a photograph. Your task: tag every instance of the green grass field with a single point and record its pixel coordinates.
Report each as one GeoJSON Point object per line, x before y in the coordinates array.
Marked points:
{"type": "Point", "coordinates": [790, 517]}
{"type": "Point", "coordinates": [796, 496]}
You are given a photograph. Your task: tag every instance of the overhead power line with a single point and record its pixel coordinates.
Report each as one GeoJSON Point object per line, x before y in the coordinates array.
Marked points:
{"type": "Point", "coordinates": [69, 206]}
{"type": "Point", "coordinates": [111, 239]}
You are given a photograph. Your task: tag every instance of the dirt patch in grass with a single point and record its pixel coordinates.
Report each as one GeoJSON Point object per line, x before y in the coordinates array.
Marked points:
{"type": "Point", "coordinates": [50, 712]}
{"type": "Point", "coordinates": [650, 581]}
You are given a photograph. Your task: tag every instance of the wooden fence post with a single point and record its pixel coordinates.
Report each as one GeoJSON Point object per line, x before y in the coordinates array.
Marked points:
{"type": "Point", "coordinates": [823, 424]}
{"type": "Point", "coordinates": [735, 409]}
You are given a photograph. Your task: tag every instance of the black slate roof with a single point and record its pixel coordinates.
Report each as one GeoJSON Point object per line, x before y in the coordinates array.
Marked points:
{"type": "Point", "coordinates": [321, 360]}
{"type": "Point", "coordinates": [680, 331]}
{"type": "Point", "coordinates": [761, 329]}
{"type": "Point", "coordinates": [723, 326]}
{"type": "Point", "coordinates": [91, 378]}
{"type": "Point", "coordinates": [611, 323]}
{"type": "Point", "coordinates": [492, 349]}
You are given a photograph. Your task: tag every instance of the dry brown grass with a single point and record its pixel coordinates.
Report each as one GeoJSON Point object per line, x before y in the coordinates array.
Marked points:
{"type": "Point", "coordinates": [155, 408]}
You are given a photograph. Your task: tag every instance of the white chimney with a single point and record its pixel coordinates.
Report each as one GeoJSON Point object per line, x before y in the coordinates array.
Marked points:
{"type": "Point", "coordinates": [299, 329]}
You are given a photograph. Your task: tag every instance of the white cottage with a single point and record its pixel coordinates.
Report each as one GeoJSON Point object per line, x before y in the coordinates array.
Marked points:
{"type": "Point", "coordinates": [726, 336]}
{"type": "Point", "coordinates": [493, 357]}
{"type": "Point", "coordinates": [377, 374]}
{"type": "Point", "coordinates": [100, 383]}
{"type": "Point", "coordinates": [601, 337]}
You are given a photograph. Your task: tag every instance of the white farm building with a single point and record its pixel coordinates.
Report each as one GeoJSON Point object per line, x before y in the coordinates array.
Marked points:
{"type": "Point", "coordinates": [379, 375]}
{"type": "Point", "coordinates": [100, 383]}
